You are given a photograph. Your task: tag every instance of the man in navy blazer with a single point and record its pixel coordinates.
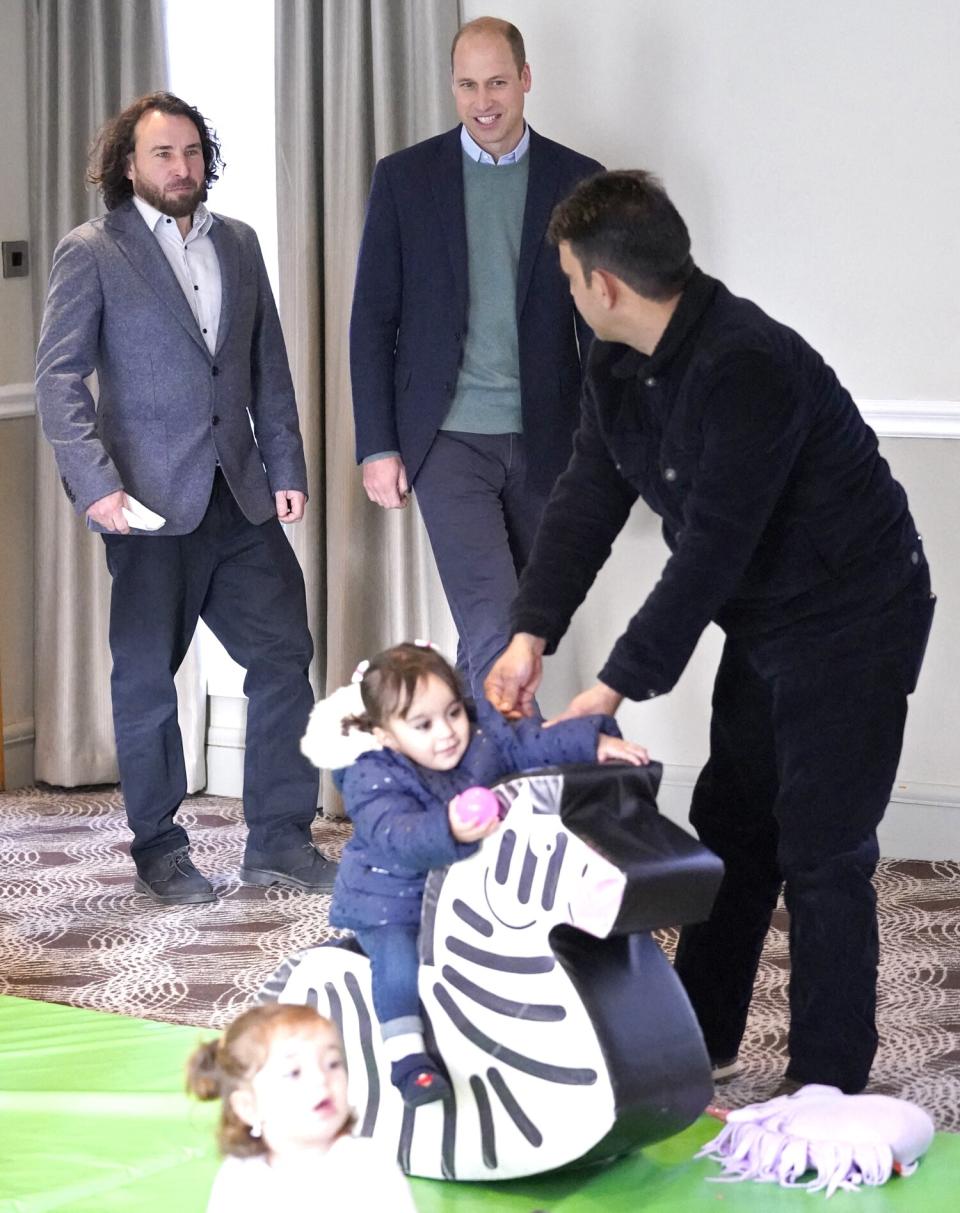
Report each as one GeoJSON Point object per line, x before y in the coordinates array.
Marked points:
{"type": "Point", "coordinates": [465, 347]}
{"type": "Point", "coordinates": [196, 421]}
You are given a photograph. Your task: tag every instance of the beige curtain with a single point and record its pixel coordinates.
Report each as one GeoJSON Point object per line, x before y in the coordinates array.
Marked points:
{"type": "Point", "coordinates": [356, 79]}
{"type": "Point", "coordinates": [86, 60]}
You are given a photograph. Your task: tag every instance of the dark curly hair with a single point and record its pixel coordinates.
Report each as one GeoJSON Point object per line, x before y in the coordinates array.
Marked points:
{"type": "Point", "coordinates": [217, 1068]}
{"type": "Point", "coordinates": [113, 146]}
{"type": "Point", "coordinates": [390, 682]}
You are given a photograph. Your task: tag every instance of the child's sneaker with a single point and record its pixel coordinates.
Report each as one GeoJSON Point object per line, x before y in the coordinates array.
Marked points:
{"type": "Point", "coordinates": [418, 1080]}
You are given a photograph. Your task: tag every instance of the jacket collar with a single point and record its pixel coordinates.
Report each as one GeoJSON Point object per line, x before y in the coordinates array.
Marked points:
{"type": "Point", "coordinates": [139, 245]}
{"type": "Point", "coordinates": [697, 296]}
{"type": "Point", "coordinates": [446, 182]}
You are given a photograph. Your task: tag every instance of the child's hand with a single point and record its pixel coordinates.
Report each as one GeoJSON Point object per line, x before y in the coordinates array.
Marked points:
{"type": "Point", "coordinates": [617, 749]}
{"type": "Point", "coordinates": [468, 833]}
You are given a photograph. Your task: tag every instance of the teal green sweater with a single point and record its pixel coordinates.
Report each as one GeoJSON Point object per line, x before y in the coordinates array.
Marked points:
{"type": "Point", "coordinates": [487, 396]}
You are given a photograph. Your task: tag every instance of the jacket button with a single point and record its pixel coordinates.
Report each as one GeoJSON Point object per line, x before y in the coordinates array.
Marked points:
{"type": "Point", "coordinates": [651, 694]}
{"type": "Point", "coordinates": [214, 370]}
{"type": "Point", "coordinates": [650, 381]}
{"type": "Point", "coordinates": [214, 420]}
{"type": "Point", "coordinates": [670, 474]}
{"type": "Point", "coordinates": [914, 557]}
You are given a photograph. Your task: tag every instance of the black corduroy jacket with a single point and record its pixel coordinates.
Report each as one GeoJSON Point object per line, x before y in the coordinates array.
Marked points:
{"type": "Point", "coordinates": [782, 519]}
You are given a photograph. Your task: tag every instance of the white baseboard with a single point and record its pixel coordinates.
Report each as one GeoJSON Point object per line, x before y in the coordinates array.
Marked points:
{"type": "Point", "coordinates": [225, 751]}
{"type": "Point", "coordinates": [922, 820]}
{"type": "Point", "coordinates": [18, 749]}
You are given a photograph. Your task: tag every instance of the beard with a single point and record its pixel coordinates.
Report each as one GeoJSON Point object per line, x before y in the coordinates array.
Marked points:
{"type": "Point", "coordinates": [177, 206]}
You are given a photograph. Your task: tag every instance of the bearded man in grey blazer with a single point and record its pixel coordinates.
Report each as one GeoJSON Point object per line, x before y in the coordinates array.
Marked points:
{"type": "Point", "coordinates": [196, 421]}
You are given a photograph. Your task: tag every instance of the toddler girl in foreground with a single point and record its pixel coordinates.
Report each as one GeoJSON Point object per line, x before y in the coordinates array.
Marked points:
{"type": "Point", "coordinates": [284, 1121]}
{"type": "Point", "coordinates": [402, 801]}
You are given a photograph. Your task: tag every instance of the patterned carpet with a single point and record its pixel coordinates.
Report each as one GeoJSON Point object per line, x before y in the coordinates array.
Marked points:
{"type": "Point", "coordinates": [73, 930]}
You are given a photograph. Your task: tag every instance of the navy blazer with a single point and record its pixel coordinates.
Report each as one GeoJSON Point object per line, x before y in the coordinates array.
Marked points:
{"type": "Point", "coordinates": [168, 410]}
{"type": "Point", "coordinates": [410, 320]}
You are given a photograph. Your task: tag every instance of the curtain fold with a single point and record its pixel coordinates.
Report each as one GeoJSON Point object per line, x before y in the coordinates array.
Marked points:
{"type": "Point", "coordinates": [86, 61]}
{"type": "Point", "coordinates": [355, 80]}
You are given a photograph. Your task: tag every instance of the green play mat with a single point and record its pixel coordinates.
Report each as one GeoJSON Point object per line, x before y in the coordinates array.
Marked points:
{"type": "Point", "coordinates": [93, 1120]}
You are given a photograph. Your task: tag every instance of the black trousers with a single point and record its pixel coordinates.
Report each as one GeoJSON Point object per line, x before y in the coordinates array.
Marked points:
{"type": "Point", "coordinates": [803, 756]}
{"type": "Point", "coordinates": [245, 583]}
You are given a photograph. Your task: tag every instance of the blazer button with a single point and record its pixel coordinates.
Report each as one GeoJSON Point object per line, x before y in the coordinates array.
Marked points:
{"type": "Point", "coordinates": [214, 420]}
{"type": "Point", "coordinates": [214, 371]}
{"type": "Point", "coordinates": [670, 474]}
{"type": "Point", "coordinates": [650, 381]}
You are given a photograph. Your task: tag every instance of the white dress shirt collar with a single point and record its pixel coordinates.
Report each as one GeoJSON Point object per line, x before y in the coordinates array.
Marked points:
{"type": "Point", "coordinates": [202, 219]}
{"type": "Point", "coordinates": [476, 152]}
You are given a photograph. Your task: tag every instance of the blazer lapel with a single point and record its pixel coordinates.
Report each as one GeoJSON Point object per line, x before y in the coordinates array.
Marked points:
{"type": "Point", "coordinates": [139, 245]}
{"type": "Point", "coordinates": [228, 254]}
{"type": "Point", "coordinates": [446, 184]}
{"type": "Point", "coordinates": [541, 195]}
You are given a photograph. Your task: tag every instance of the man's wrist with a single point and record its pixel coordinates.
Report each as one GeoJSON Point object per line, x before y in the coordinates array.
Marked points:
{"type": "Point", "coordinates": [537, 644]}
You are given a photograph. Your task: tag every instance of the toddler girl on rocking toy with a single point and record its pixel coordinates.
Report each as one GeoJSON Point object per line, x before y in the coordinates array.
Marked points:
{"type": "Point", "coordinates": [401, 796]}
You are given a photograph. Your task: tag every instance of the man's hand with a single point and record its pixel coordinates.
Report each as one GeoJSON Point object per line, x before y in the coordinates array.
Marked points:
{"type": "Point", "coordinates": [618, 749]}
{"type": "Point", "coordinates": [290, 505]}
{"type": "Point", "coordinates": [385, 482]}
{"type": "Point", "coordinates": [598, 700]}
{"type": "Point", "coordinates": [108, 512]}
{"type": "Point", "coordinates": [512, 682]}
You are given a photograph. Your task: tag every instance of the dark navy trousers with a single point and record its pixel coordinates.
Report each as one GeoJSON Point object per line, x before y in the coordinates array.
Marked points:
{"type": "Point", "coordinates": [244, 581]}
{"type": "Point", "coordinates": [803, 756]}
{"type": "Point", "coordinates": [481, 516]}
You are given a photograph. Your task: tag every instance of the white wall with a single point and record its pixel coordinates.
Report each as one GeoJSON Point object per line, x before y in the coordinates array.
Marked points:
{"type": "Point", "coordinates": [814, 150]}
{"type": "Point", "coordinates": [16, 406]}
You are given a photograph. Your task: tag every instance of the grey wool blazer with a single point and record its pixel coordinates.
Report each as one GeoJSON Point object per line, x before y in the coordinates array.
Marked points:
{"type": "Point", "coordinates": [167, 409]}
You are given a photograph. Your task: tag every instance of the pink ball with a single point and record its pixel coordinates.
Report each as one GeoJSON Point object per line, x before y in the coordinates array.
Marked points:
{"type": "Point", "coordinates": [477, 806]}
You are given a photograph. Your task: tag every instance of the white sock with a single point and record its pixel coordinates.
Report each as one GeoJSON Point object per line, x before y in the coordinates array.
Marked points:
{"type": "Point", "coordinates": [398, 1047]}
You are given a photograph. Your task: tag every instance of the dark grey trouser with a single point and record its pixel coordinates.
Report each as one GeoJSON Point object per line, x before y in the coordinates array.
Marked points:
{"type": "Point", "coordinates": [245, 583]}
{"type": "Point", "coordinates": [481, 518]}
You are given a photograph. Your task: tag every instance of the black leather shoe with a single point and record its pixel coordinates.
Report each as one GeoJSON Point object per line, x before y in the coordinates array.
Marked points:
{"type": "Point", "coordinates": [301, 868]}
{"type": "Point", "coordinates": [172, 880]}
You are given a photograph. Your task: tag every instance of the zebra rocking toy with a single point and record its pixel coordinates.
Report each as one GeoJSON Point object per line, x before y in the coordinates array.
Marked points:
{"type": "Point", "coordinates": [566, 1035]}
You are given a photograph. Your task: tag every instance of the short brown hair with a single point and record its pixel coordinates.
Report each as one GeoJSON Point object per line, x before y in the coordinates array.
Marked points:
{"type": "Point", "coordinates": [624, 222]}
{"type": "Point", "coordinates": [217, 1068]}
{"type": "Point", "coordinates": [113, 146]}
{"type": "Point", "coordinates": [494, 25]}
{"type": "Point", "coordinates": [390, 682]}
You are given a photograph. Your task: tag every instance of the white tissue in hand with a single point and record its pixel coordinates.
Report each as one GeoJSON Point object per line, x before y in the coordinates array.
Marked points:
{"type": "Point", "coordinates": [140, 517]}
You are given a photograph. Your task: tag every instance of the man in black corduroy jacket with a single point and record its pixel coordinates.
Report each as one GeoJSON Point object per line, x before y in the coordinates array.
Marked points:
{"type": "Point", "coordinates": [785, 527]}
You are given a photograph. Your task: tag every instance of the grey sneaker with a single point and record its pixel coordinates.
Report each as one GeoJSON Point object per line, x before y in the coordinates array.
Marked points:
{"type": "Point", "coordinates": [723, 1069]}
{"type": "Point", "coordinates": [173, 880]}
{"type": "Point", "coordinates": [302, 868]}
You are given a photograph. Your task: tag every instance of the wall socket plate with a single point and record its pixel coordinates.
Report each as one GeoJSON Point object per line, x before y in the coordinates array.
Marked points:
{"type": "Point", "coordinates": [16, 258]}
